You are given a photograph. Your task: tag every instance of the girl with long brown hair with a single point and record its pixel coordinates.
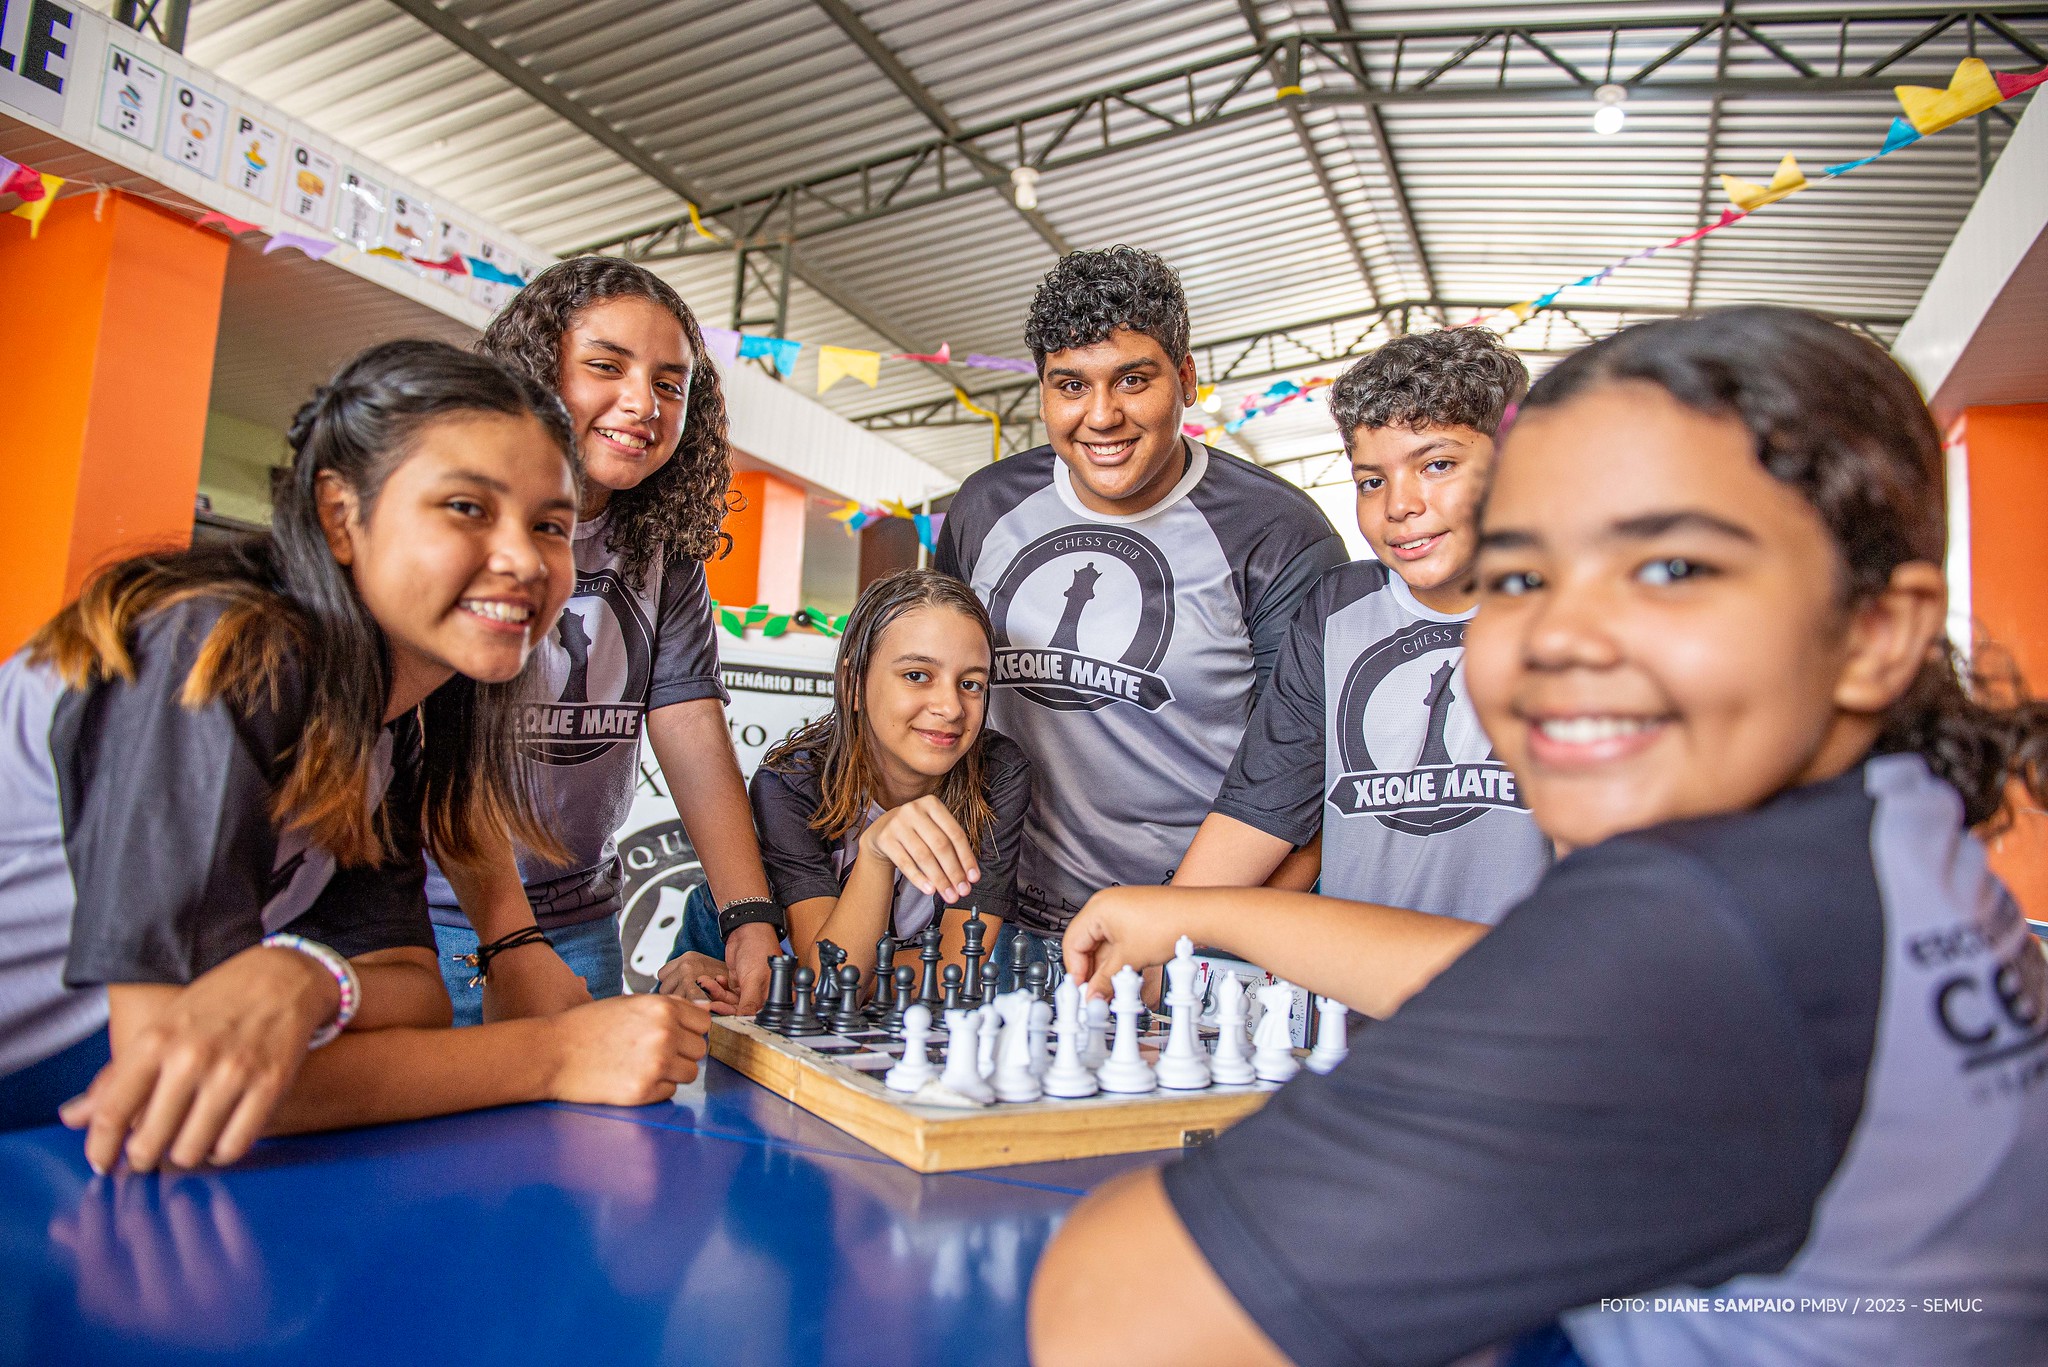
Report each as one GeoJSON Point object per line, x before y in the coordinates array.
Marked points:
{"type": "Point", "coordinates": [219, 769]}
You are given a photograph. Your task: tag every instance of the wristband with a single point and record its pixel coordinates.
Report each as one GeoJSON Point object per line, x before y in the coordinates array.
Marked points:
{"type": "Point", "coordinates": [480, 958]}
{"type": "Point", "coordinates": [344, 978]}
{"type": "Point", "coordinates": [747, 911]}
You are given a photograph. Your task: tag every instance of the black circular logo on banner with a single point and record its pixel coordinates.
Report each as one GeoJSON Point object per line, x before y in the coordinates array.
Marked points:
{"type": "Point", "coordinates": [1403, 688]}
{"type": "Point", "coordinates": [1100, 593]}
{"type": "Point", "coordinates": [661, 868]}
{"type": "Point", "coordinates": [600, 651]}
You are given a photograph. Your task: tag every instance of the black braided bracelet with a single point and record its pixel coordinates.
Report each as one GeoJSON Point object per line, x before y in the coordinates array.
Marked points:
{"type": "Point", "coordinates": [480, 960]}
{"type": "Point", "coordinates": [748, 910]}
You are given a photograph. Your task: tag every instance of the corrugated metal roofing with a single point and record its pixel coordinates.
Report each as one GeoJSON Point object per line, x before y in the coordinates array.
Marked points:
{"type": "Point", "coordinates": [1510, 196]}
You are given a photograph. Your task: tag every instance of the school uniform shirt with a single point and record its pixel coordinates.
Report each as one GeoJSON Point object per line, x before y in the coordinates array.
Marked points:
{"type": "Point", "coordinates": [1129, 651]}
{"type": "Point", "coordinates": [1731, 1076]}
{"type": "Point", "coordinates": [1367, 734]}
{"type": "Point", "coordinates": [802, 863]}
{"type": "Point", "coordinates": [619, 651]}
{"type": "Point", "coordinates": [138, 846]}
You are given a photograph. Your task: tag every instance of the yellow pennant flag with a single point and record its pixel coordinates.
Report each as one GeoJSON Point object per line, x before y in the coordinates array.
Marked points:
{"type": "Point", "coordinates": [1747, 195]}
{"type": "Point", "coordinates": [836, 363]}
{"type": "Point", "coordinates": [1972, 90]}
{"type": "Point", "coordinates": [34, 209]}
{"type": "Point", "coordinates": [1522, 310]}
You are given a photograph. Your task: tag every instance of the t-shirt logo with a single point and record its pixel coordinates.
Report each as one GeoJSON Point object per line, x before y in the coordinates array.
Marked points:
{"type": "Point", "coordinates": [600, 652]}
{"type": "Point", "coordinates": [1436, 770]}
{"type": "Point", "coordinates": [1083, 616]}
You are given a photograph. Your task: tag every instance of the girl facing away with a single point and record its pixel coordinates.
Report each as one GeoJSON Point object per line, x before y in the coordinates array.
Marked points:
{"type": "Point", "coordinates": [1759, 1071]}
{"type": "Point", "coordinates": [220, 768]}
{"type": "Point", "coordinates": [632, 653]}
{"type": "Point", "coordinates": [899, 802]}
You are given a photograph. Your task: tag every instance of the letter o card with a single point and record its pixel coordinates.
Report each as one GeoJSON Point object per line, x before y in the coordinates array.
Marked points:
{"type": "Point", "coordinates": [197, 130]}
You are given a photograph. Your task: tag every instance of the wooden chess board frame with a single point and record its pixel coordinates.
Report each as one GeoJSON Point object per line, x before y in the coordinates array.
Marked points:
{"type": "Point", "coordinates": [942, 1139]}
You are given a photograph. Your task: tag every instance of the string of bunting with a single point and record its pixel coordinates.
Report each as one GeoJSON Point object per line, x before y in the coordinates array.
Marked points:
{"type": "Point", "coordinates": [739, 621]}
{"type": "Point", "coordinates": [855, 515]}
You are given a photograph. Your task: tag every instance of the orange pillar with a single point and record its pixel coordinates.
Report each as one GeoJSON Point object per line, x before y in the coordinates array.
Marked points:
{"type": "Point", "coordinates": [2006, 454]}
{"type": "Point", "coordinates": [767, 560]}
{"type": "Point", "coordinates": [105, 365]}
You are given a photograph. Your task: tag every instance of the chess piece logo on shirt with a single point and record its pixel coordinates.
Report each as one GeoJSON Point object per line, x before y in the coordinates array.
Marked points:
{"type": "Point", "coordinates": [599, 654]}
{"type": "Point", "coordinates": [661, 867]}
{"type": "Point", "coordinates": [1413, 753]}
{"type": "Point", "coordinates": [1083, 618]}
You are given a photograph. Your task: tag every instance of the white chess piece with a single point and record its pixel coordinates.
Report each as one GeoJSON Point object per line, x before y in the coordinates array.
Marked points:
{"type": "Point", "coordinates": [1232, 1065]}
{"type": "Point", "coordinates": [985, 1049]}
{"type": "Point", "coordinates": [963, 1073]}
{"type": "Point", "coordinates": [1273, 1042]}
{"type": "Point", "coordinates": [914, 1069]}
{"type": "Point", "coordinates": [1014, 1080]}
{"type": "Point", "coordinates": [1126, 1072]}
{"type": "Point", "coordinates": [1039, 1026]}
{"type": "Point", "coordinates": [1183, 1066]}
{"type": "Point", "coordinates": [1331, 1046]}
{"type": "Point", "coordinates": [1068, 1076]}
{"type": "Point", "coordinates": [1094, 1030]}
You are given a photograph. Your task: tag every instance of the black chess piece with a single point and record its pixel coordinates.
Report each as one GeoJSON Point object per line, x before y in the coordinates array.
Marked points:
{"type": "Point", "coordinates": [1020, 959]}
{"type": "Point", "coordinates": [1055, 967]}
{"type": "Point", "coordinates": [900, 1001]}
{"type": "Point", "coordinates": [991, 980]}
{"type": "Point", "coordinates": [885, 958]}
{"type": "Point", "coordinates": [804, 1019]}
{"type": "Point", "coordinates": [952, 980]}
{"type": "Point", "coordinates": [928, 955]}
{"type": "Point", "coordinates": [781, 1003]}
{"type": "Point", "coordinates": [885, 994]}
{"type": "Point", "coordinates": [846, 1018]}
{"type": "Point", "coordinates": [971, 954]}
{"type": "Point", "coordinates": [1034, 980]}
{"type": "Point", "coordinates": [830, 956]}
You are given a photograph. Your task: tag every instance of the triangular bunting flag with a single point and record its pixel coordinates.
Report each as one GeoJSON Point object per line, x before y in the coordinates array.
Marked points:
{"type": "Point", "coordinates": [1900, 134]}
{"type": "Point", "coordinates": [2011, 83]}
{"type": "Point", "coordinates": [389, 253]}
{"type": "Point", "coordinates": [723, 344]}
{"type": "Point", "coordinates": [1747, 196]}
{"type": "Point", "coordinates": [453, 265]}
{"type": "Point", "coordinates": [943, 356]}
{"type": "Point", "coordinates": [1522, 310]}
{"type": "Point", "coordinates": [16, 179]}
{"type": "Point", "coordinates": [1970, 91]}
{"type": "Point", "coordinates": [779, 350]}
{"type": "Point", "coordinates": [34, 209]}
{"type": "Point", "coordinates": [837, 362]}
{"type": "Point", "coordinates": [233, 227]}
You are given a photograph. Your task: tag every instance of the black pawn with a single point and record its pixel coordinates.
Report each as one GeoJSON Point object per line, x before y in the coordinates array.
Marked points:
{"type": "Point", "coordinates": [1034, 980]}
{"type": "Point", "coordinates": [885, 958]}
{"type": "Point", "coordinates": [804, 1019]}
{"type": "Point", "coordinates": [991, 980]}
{"type": "Point", "coordinates": [928, 955]}
{"type": "Point", "coordinates": [971, 954]}
{"type": "Point", "coordinates": [899, 1003]}
{"type": "Point", "coordinates": [781, 1004]}
{"type": "Point", "coordinates": [846, 1009]}
{"type": "Point", "coordinates": [1020, 959]}
{"type": "Point", "coordinates": [952, 980]}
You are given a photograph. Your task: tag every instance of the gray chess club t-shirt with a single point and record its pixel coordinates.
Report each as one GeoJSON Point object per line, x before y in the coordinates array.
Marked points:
{"type": "Point", "coordinates": [802, 864]}
{"type": "Point", "coordinates": [138, 847]}
{"type": "Point", "coordinates": [1129, 652]}
{"type": "Point", "coordinates": [618, 652]}
{"type": "Point", "coordinates": [1760, 1067]}
{"type": "Point", "coordinates": [1367, 733]}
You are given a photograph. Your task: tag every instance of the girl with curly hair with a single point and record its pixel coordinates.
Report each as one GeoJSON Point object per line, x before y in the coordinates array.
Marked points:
{"type": "Point", "coordinates": [633, 650]}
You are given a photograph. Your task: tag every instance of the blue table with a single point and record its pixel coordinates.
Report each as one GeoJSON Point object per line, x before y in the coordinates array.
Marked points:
{"type": "Point", "coordinates": [729, 1228]}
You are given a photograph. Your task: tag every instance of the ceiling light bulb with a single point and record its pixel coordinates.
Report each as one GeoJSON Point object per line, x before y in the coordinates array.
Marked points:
{"type": "Point", "coordinates": [1609, 117]}
{"type": "Point", "coordinates": [1024, 187]}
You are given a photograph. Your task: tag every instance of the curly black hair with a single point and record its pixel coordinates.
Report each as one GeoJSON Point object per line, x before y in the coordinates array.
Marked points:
{"type": "Point", "coordinates": [676, 512]}
{"type": "Point", "coordinates": [1458, 377]}
{"type": "Point", "coordinates": [1089, 295]}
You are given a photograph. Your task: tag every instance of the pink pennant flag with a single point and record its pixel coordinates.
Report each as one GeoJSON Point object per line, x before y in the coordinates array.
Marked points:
{"type": "Point", "coordinates": [2011, 83]}
{"type": "Point", "coordinates": [1727, 217]}
{"type": "Point", "coordinates": [234, 227]}
{"type": "Point", "coordinates": [16, 179]}
{"type": "Point", "coordinates": [312, 246]}
{"type": "Point", "coordinates": [453, 265]}
{"type": "Point", "coordinates": [943, 356]}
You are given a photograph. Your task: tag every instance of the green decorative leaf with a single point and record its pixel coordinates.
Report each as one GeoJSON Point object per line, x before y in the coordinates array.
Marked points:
{"type": "Point", "coordinates": [776, 625]}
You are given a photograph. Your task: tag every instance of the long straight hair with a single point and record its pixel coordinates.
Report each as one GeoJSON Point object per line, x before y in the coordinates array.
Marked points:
{"type": "Point", "coordinates": [840, 747]}
{"type": "Point", "coordinates": [1835, 419]}
{"type": "Point", "coordinates": [289, 607]}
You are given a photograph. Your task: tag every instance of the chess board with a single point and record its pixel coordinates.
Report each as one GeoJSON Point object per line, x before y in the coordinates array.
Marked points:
{"type": "Point", "coordinates": [838, 1078]}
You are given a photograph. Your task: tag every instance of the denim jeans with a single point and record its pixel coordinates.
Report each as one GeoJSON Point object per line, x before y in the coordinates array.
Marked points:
{"type": "Point", "coordinates": [699, 930]}
{"type": "Point", "coordinates": [591, 950]}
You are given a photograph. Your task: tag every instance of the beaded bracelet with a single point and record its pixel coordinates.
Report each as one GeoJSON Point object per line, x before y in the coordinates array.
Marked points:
{"type": "Point", "coordinates": [344, 978]}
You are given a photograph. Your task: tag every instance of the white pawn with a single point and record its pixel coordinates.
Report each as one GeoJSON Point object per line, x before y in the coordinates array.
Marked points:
{"type": "Point", "coordinates": [1232, 1065]}
{"type": "Point", "coordinates": [914, 1069]}
{"type": "Point", "coordinates": [1014, 1080]}
{"type": "Point", "coordinates": [1273, 1042]}
{"type": "Point", "coordinates": [1331, 1046]}
{"type": "Point", "coordinates": [1183, 1066]}
{"type": "Point", "coordinates": [963, 1073]}
{"type": "Point", "coordinates": [1094, 1030]}
{"type": "Point", "coordinates": [1068, 1076]}
{"type": "Point", "coordinates": [985, 1049]}
{"type": "Point", "coordinates": [1126, 1072]}
{"type": "Point", "coordinates": [1039, 1026]}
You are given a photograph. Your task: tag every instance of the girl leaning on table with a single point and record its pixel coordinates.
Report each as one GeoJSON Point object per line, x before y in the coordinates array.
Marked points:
{"type": "Point", "coordinates": [899, 802]}
{"type": "Point", "coordinates": [220, 769]}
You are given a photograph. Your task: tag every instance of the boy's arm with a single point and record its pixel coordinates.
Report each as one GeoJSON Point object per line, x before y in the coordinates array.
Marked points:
{"type": "Point", "coordinates": [1371, 958]}
{"type": "Point", "coordinates": [531, 980]}
{"type": "Point", "coordinates": [694, 747]}
{"type": "Point", "coordinates": [1227, 853]}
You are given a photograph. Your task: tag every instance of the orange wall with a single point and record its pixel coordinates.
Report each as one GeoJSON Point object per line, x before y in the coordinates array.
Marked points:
{"type": "Point", "coordinates": [105, 366]}
{"type": "Point", "coordinates": [2007, 453]}
{"type": "Point", "coordinates": [767, 560]}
